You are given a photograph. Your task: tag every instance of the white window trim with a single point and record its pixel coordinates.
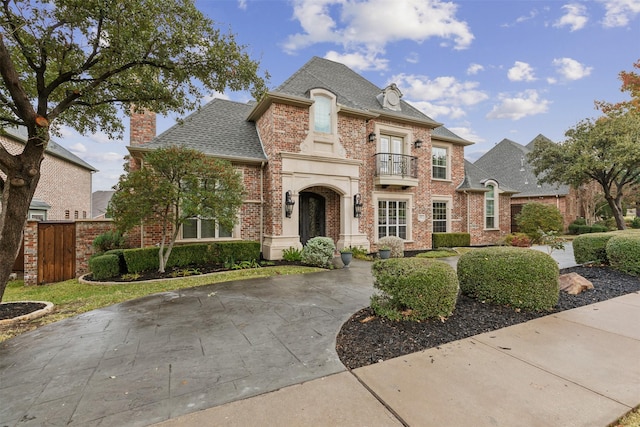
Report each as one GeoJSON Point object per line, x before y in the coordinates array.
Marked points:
{"type": "Point", "coordinates": [397, 131]}
{"type": "Point", "coordinates": [408, 198]}
{"type": "Point", "coordinates": [496, 198]}
{"type": "Point", "coordinates": [332, 136]}
{"type": "Point", "coordinates": [443, 199]}
{"type": "Point", "coordinates": [235, 233]}
{"type": "Point", "coordinates": [447, 147]}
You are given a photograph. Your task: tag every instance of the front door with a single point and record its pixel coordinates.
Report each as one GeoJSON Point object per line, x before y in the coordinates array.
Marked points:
{"type": "Point", "coordinates": [312, 220]}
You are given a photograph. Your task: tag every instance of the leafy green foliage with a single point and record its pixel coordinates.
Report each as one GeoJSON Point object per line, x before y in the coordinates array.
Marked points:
{"type": "Point", "coordinates": [104, 266]}
{"type": "Point", "coordinates": [414, 289]}
{"type": "Point", "coordinates": [394, 243]}
{"type": "Point", "coordinates": [520, 240]}
{"type": "Point", "coordinates": [591, 248]}
{"type": "Point", "coordinates": [109, 240]}
{"type": "Point", "coordinates": [319, 252]}
{"type": "Point", "coordinates": [437, 253]}
{"type": "Point", "coordinates": [635, 222]}
{"type": "Point", "coordinates": [176, 185]}
{"type": "Point", "coordinates": [552, 240]}
{"type": "Point", "coordinates": [292, 254]}
{"type": "Point", "coordinates": [537, 218]}
{"type": "Point", "coordinates": [450, 240]}
{"type": "Point", "coordinates": [521, 278]}
{"type": "Point", "coordinates": [623, 252]}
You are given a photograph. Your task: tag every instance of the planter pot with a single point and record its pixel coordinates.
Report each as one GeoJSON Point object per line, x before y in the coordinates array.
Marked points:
{"type": "Point", "coordinates": [346, 258]}
{"type": "Point", "coordinates": [384, 253]}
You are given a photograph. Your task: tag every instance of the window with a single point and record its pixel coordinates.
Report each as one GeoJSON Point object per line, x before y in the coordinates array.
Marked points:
{"type": "Point", "coordinates": [440, 217]}
{"type": "Point", "coordinates": [322, 114]}
{"type": "Point", "coordinates": [490, 207]}
{"type": "Point", "coordinates": [391, 161]}
{"type": "Point", "coordinates": [75, 214]}
{"type": "Point", "coordinates": [84, 214]}
{"type": "Point", "coordinates": [439, 163]}
{"type": "Point", "coordinates": [200, 228]}
{"type": "Point", "coordinates": [66, 214]}
{"type": "Point", "coordinates": [392, 218]}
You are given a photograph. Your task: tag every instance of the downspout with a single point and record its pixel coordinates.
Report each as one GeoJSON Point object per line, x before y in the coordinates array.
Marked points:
{"type": "Point", "coordinates": [468, 212]}
{"type": "Point", "coordinates": [261, 205]}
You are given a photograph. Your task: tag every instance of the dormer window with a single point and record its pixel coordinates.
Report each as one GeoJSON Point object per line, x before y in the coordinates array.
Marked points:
{"type": "Point", "coordinates": [322, 114]}
{"type": "Point", "coordinates": [390, 98]}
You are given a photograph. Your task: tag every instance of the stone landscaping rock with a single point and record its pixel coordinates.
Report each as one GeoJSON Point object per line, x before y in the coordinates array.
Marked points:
{"type": "Point", "coordinates": [573, 283]}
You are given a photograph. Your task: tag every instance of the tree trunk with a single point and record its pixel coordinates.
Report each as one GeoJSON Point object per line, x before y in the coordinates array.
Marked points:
{"type": "Point", "coordinates": [615, 203]}
{"type": "Point", "coordinates": [19, 187]}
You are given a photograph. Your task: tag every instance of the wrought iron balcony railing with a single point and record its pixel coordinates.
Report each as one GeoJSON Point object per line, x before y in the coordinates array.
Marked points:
{"type": "Point", "coordinates": [397, 165]}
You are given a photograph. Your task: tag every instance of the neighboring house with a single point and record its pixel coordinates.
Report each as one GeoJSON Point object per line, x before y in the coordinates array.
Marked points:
{"type": "Point", "coordinates": [328, 153]}
{"type": "Point", "coordinates": [99, 203]}
{"type": "Point", "coordinates": [507, 163]}
{"type": "Point", "coordinates": [64, 189]}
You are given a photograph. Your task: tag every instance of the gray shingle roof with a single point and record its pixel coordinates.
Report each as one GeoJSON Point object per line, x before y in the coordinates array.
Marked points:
{"type": "Point", "coordinates": [507, 163]}
{"type": "Point", "coordinates": [217, 129]}
{"type": "Point", "coordinates": [351, 89]}
{"type": "Point", "coordinates": [53, 148]}
{"type": "Point", "coordinates": [475, 178]}
{"type": "Point", "coordinates": [443, 133]}
{"type": "Point", "coordinates": [99, 202]}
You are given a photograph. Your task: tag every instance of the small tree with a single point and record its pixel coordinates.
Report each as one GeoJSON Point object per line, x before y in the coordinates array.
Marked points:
{"type": "Point", "coordinates": [176, 185]}
{"type": "Point", "coordinates": [535, 219]}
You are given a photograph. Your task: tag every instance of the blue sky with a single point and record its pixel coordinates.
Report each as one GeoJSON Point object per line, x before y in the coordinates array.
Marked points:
{"type": "Point", "coordinates": [488, 70]}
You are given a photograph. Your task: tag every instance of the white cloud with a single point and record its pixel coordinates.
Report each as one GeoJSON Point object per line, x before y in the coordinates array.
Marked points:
{"type": "Point", "coordinates": [412, 58]}
{"type": "Point", "coordinates": [474, 69]}
{"type": "Point", "coordinates": [361, 25]}
{"type": "Point", "coordinates": [570, 69]}
{"type": "Point", "coordinates": [527, 103]}
{"type": "Point", "coordinates": [78, 148]}
{"type": "Point", "coordinates": [466, 133]}
{"type": "Point", "coordinates": [366, 61]}
{"type": "Point", "coordinates": [619, 12]}
{"type": "Point", "coordinates": [575, 17]}
{"type": "Point", "coordinates": [521, 71]}
{"type": "Point", "coordinates": [242, 4]}
{"type": "Point", "coordinates": [522, 19]}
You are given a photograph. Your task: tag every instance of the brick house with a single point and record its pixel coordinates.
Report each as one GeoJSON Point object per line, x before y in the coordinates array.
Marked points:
{"type": "Point", "coordinates": [507, 163]}
{"type": "Point", "coordinates": [328, 153]}
{"type": "Point", "coordinates": [64, 189]}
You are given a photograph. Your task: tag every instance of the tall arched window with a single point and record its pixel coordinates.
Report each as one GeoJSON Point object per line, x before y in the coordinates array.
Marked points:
{"type": "Point", "coordinates": [490, 207]}
{"type": "Point", "coordinates": [322, 114]}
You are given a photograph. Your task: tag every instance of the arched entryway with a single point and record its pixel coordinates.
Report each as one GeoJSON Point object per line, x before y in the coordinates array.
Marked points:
{"type": "Point", "coordinates": [312, 209]}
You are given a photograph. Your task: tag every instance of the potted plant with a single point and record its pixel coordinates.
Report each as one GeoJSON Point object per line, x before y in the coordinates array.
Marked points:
{"type": "Point", "coordinates": [346, 255]}
{"type": "Point", "coordinates": [384, 252]}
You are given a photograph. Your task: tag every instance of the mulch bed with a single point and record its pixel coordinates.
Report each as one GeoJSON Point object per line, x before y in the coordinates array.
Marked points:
{"type": "Point", "coordinates": [10, 310]}
{"type": "Point", "coordinates": [365, 338]}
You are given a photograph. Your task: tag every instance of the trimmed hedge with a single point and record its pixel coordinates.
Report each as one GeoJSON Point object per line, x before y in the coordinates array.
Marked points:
{"type": "Point", "coordinates": [104, 266]}
{"type": "Point", "coordinates": [518, 277]}
{"type": "Point", "coordinates": [591, 248]}
{"type": "Point", "coordinates": [450, 240]}
{"type": "Point", "coordinates": [428, 288]}
{"type": "Point", "coordinates": [146, 259]}
{"type": "Point", "coordinates": [623, 252]}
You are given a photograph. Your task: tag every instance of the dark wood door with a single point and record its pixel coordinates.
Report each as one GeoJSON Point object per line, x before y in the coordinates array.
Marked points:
{"type": "Point", "coordinates": [515, 210]}
{"type": "Point", "coordinates": [312, 216]}
{"type": "Point", "coordinates": [56, 252]}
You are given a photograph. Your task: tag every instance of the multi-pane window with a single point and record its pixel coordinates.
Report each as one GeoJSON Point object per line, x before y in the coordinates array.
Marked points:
{"type": "Point", "coordinates": [322, 114]}
{"type": "Point", "coordinates": [439, 163]}
{"type": "Point", "coordinates": [391, 160]}
{"type": "Point", "coordinates": [200, 228]}
{"type": "Point", "coordinates": [489, 207]}
{"type": "Point", "coordinates": [392, 218]}
{"type": "Point", "coordinates": [439, 217]}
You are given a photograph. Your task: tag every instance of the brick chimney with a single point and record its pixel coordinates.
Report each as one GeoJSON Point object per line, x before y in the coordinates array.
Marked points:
{"type": "Point", "coordinates": [142, 129]}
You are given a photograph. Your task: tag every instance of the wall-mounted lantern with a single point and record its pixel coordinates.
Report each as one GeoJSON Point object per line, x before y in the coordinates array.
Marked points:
{"type": "Point", "coordinates": [417, 143]}
{"type": "Point", "coordinates": [372, 137]}
{"type": "Point", "coordinates": [288, 204]}
{"type": "Point", "coordinates": [357, 205]}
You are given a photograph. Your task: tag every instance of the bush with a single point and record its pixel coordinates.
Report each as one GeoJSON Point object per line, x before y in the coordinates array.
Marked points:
{"type": "Point", "coordinates": [591, 248]}
{"type": "Point", "coordinates": [319, 252]}
{"type": "Point", "coordinates": [450, 240]}
{"type": "Point", "coordinates": [121, 261]}
{"type": "Point", "coordinates": [573, 227]}
{"type": "Point", "coordinates": [109, 240]}
{"type": "Point", "coordinates": [623, 252]}
{"type": "Point", "coordinates": [414, 289]}
{"type": "Point", "coordinates": [394, 243]}
{"type": "Point", "coordinates": [539, 216]}
{"type": "Point", "coordinates": [521, 278]}
{"type": "Point", "coordinates": [635, 222]}
{"type": "Point", "coordinates": [292, 254]}
{"type": "Point", "coordinates": [520, 240]}
{"type": "Point", "coordinates": [104, 266]}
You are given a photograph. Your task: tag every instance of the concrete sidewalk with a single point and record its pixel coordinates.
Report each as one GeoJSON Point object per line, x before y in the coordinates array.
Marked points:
{"type": "Point", "coordinates": [576, 368]}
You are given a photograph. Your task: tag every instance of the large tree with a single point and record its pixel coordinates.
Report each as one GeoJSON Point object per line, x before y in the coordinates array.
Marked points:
{"type": "Point", "coordinates": [77, 63]}
{"type": "Point", "coordinates": [177, 185]}
{"type": "Point", "coordinates": [606, 150]}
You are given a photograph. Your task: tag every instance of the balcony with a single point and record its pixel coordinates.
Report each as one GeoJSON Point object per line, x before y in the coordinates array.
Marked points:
{"type": "Point", "coordinates": [396, 170]}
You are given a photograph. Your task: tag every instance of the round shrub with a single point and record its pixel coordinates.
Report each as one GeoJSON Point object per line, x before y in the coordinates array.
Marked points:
{"type": "Point", "coordinates": [394, 243]}
{"type": "Point", "coordinates": [318, 252]}
{"type": "Point", "coordinates": [104, 266]}
{"type": "Point", "coordinates": [518, 277]}
{"type": "Point", "coordinates": [109, 240]}
{"type": "Point", "coordinates": [536, 217]}
{"type": "Point", "coordinates": [414, 288]}
{"type": "Point", "coordinates": [623, 252]}
{"type": "Point", "coordinates": [591, 248]}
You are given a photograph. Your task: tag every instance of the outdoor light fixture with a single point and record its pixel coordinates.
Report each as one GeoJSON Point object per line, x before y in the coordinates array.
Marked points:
{"type": "Point", "coordinates": [357, 205]}
{"type": "Point", "coordinates": [417, 143]}
{"type": "Point", "coordinates": [372, 137]}
{"type": "Point", "coordinates": [288, 204]}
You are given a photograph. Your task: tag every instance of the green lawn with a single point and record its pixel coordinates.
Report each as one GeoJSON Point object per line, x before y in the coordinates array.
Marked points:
{"type": "Point", "coordinates": [72, 297]}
